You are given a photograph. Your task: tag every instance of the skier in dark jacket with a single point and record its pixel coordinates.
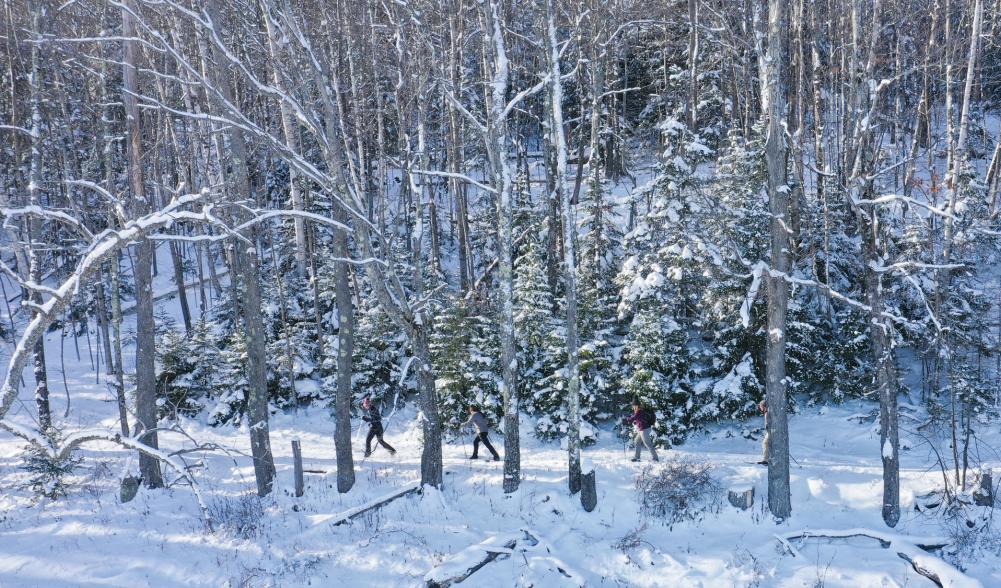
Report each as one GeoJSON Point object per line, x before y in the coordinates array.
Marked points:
{"type": "Point", "coordinates": [375, 430]}
{"type": "Point", "coordinates": [477, 419]}
{"type": "Point", "coordinates": [642, 420]}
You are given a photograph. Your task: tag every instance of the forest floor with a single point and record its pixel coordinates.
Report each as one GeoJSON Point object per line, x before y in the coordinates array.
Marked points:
{"type": "Point", "coordinates": [89, 539]}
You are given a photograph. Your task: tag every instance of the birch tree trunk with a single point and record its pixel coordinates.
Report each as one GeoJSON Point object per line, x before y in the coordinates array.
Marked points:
{"type": "Point", "coordinates": [455, 155]}
{"type": "Point", "coordinates": [958, 158]}
{"type": "Point", "coordinates": [245, 271]}
{"type": "Point", "coordinates": [149, 467]}
{"type": "Point", "coordinates": [33, 225]}
{"type": "Point", "coordinates": [861, 154]}
{"type": "Point", "coordinates": [879, 333]}
{"type": "Point", "coordinates": [116, 343]}
{"type": "Point", "coordinates": [385, 284]}
{"type": "Point", "coordinates": [497, 139]}
{"type": "Point", "coordinates": [773, 103]}
{"type": "Point", "coordinates": [691, 107]}
{"type": "Point", "coordinates": [569, 265]}
{"type": "Point", "coordinates": [292, 139]}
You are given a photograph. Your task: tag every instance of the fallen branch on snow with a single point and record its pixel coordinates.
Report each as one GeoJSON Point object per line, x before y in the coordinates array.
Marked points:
{"type": "Point", "coordinates": [465, 563]}
{"type": "Point", "coordinates": [343, 517]}
{"type": "Point", "coordinates": [913, 550]}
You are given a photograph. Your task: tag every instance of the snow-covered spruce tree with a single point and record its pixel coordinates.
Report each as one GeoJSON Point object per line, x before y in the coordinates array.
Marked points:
{"type": "Point", "coordinates": [737, 229]}
{"type": "Point", "coordinates": [379, 356]}
{"type": "Point", "coordinates": [465, 352]}
{"type": "Point", "coordinates": [660, 282]}
{"type": "Point", "coordinates": [380, 352]}
{"type": "Point", "coordinates": [542, 340]}
{"type": "Point", "coordinates": [229, 383]}
{"type": "Point", "coordinates": [827, 353]}
{"type": "Point", "coordinates": [188, 365]}
{"type": "Point", "coordinates": [598, 256]}
{"type": "Point", "coordinates": [289, 322]}
{"type": "Point", "coordinates": [658, 369]}
{"type": "Point", "coordinates": [967, 316]}
{"type": "Point", "coordinates": [47, 474]}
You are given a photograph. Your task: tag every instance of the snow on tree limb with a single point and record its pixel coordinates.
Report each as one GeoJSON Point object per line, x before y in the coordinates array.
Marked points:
{"type": "Point", "coordinates": [752, 293]}
{"type": "Point", "coordinates": [107, 244]}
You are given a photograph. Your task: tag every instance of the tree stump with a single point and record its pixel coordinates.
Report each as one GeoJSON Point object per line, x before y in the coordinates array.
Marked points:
{"type": "Point", "coordinates": [129, 488]}
{"type": "Point", "coordinates": [297, 466]}
{"type": "Point", "coordinates": [984, 495]}
{"type": "Point", "coordinates": [742, 498]}
{"type": "Point", "coordinates": [588, 491]}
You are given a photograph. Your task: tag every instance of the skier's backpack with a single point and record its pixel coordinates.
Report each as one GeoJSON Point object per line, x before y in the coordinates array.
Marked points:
{"type": "Point", "coordinates": [649, 418]}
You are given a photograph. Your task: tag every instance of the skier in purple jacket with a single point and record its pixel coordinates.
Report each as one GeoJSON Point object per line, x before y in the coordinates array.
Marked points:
{"type": "Point", "coordinates": [642, 421]}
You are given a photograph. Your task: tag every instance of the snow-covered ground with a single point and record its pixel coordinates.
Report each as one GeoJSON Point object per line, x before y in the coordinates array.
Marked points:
{"type": "Point", "coordinates": [159, 539]}
{"type": "Point", "coordinates": [90, 539]}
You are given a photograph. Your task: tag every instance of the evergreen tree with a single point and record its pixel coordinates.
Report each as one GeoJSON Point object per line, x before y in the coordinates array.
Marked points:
{"type": "Point", "coordinates": [380, 354]}
{"type": "Point", "coordinates": [737, 229]}
{"type": "Point", "coordinates": [229, 382]}
{"type": "Point", "coordinates": [188, 363]}
{"type": "Point", "coordinates": [46, 474]}
{"type": "Point", "coordinates": [656, 353]}
{"type": "Point", "coordinates": [542, 348]}
{"type": "Point", "coordinates": [657, 284]}
{"type": "Point", "coordinates": [465, 352]}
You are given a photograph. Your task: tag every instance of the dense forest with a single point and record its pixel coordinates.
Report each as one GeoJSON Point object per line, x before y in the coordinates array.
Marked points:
{"type": "Point", "coordinates": [549, 209]}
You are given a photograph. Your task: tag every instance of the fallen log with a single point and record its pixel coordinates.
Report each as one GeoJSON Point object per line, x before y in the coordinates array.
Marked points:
{"type": "Point", "coordinates": [357, 511]}
{"type": "Point", "coordinates": [913, 550]}
{"type": "Point", "coordinates": [323, 523]}
{"type": "Point", "coordinates": [885, 539]}
{"type": "Point", "coordinates": [465, 563]}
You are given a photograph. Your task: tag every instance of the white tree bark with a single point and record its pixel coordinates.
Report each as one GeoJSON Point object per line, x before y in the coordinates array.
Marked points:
{"type": "Point", "coordinates": [33, 226]}
{"type": "Point", "coordinates": [503, 180]}
{"type": "Point", "coordinates": [569, 265]}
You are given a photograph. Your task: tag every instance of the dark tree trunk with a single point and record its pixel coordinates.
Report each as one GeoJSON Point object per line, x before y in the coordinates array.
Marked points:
{"type": "Point", "coordinates": [182, 293]}
{"type": "Point", "coordinates": [773, 98]}
{"type": "Point", "coordinates": [146, 415]}
{"type": "Point", "coordinates": [345, 340]}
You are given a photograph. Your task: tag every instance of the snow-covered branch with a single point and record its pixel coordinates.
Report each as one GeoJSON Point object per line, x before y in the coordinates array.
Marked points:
{"type": "Point", "coordinates": [106, 244]}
